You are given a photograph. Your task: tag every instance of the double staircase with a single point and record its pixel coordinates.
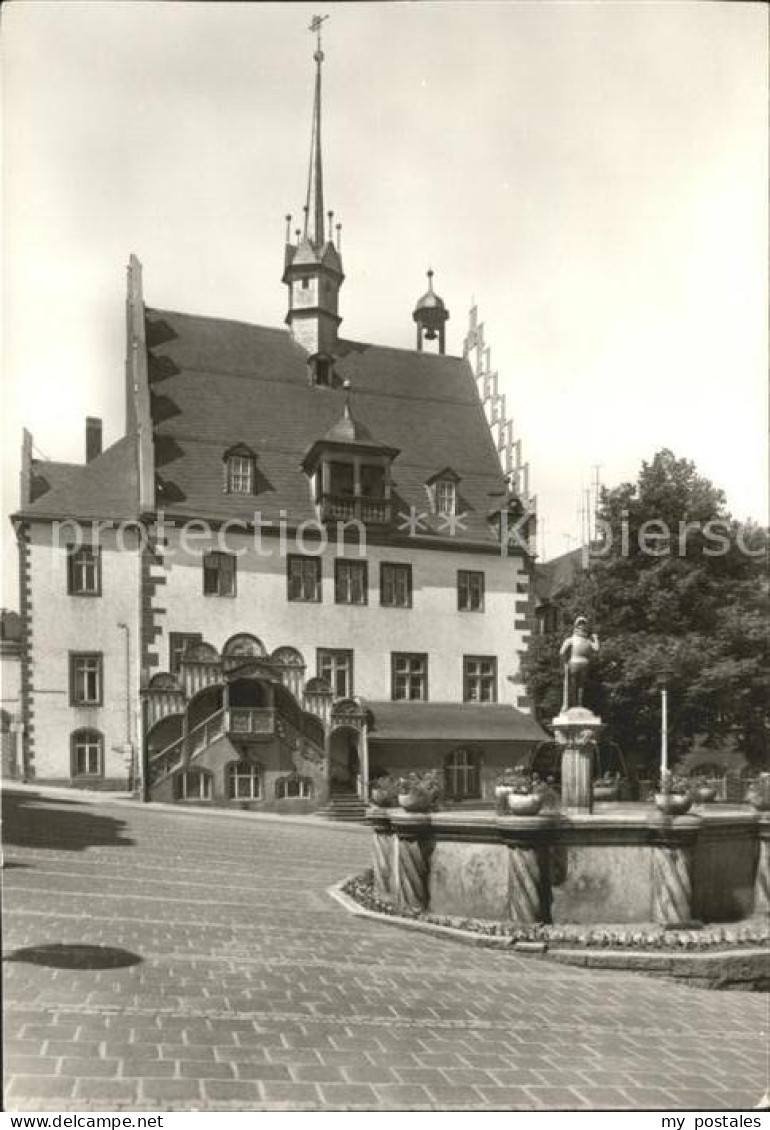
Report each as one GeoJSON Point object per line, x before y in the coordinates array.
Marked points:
{"type": "Point", "coordinates": [344, 807]}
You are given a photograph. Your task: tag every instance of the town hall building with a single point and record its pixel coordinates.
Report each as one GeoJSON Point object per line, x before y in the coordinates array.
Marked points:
{"type": "Point", "coordinates": [306, 563]}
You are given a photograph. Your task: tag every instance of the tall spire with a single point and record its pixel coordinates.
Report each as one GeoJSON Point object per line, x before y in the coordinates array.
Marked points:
{"type": "Point", "coordinates": [314, 214]}
{"type": "Point", "coordinates": [313, 266]}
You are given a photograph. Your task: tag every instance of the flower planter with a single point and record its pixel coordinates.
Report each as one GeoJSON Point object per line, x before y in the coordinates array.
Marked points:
{"type": "Point", "coordinates": [673, 804]}
{"type": "Point", "coordinates": [415, 802]}
{"type": "Point", "coordinates": [760, 801]}
{"type": "Point", "coordinates": [525, 804]}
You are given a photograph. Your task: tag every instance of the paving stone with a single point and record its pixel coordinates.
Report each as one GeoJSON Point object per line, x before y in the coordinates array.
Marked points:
{"type": "Point", "coordinates": [148, 1068]}
{"type": "Point", "coordinates": [170, 1090]}
{"type": "Point", "coordinates": [203, 1069]}
{"type": "Point", "coordinates": [234, 1091]}
{"type": "Point", "coordinates": [289, 1092]}
{"type": "Point", "coordinates": [403, 1095]}
{"type": "Point", "coordinates": [348, 1094]}
{"type": "Point", "coordinates": [30, 1065]}
{"type": "Point", "coordinates": [506, 1098]}
{"type": "Point", "coordinates": [557, 1098]}
{"type": "Point", "coordinates": [447, 1095]}
{"type": "Point", "coordinates": [41, 1086]}
{"type": "Point", "coordinates": [323, 1073]}
{"type": "Point", "coordinates": [266, 1071]}
{"type": "Point", "coordinates": [110, 1092]}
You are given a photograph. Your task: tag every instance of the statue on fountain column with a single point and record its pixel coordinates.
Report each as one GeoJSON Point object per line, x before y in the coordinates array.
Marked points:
{"type": "Point", "coordinates": [578, 653]}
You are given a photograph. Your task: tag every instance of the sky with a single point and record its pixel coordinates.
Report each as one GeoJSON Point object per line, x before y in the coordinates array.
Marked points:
{"type": "Point", "coordinates": [594, 175]}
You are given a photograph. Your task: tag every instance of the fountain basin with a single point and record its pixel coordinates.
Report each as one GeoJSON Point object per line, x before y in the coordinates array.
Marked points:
{"type": "Point", "coordinates": [624, 864]}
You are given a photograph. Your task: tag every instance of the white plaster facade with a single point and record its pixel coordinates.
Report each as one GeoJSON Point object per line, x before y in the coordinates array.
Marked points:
{"type": "Point", "coordinates": [433, 624]}
{"type": "Point", "coordinates": [58, 624]}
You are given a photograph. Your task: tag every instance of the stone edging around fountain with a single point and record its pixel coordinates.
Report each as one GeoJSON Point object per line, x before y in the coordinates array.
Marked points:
{"type": "Point", "coordinates": [734, 962]}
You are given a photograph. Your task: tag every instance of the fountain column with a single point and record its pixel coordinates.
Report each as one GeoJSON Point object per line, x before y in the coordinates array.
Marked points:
{"type": "Point", "coordinates": [577, 731]}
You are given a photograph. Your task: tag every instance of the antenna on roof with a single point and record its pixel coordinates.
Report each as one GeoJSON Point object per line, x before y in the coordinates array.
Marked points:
{"type": "Point", "coordinates": [339, 237]}
{"type": "Point", "coordinates": [331, 225]}
{"type": "Point", "coordinates": [288, 227]}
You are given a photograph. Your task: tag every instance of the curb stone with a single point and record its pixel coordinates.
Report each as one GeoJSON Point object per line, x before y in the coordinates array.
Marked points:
{"type": "Point", "coordinates": [697, 968]}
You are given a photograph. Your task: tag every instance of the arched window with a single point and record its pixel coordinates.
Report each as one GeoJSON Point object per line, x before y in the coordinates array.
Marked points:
{"type": "Point", "coordinates": [244, 780]}
{"type": "Point", "coordinates": [87, 753]}
{"type": "Point", "coordinates": [462, 774]}
{"type": "Point", "coordinates": [193, 784]}
{"type": "Point", "coordinates": [293, 788]}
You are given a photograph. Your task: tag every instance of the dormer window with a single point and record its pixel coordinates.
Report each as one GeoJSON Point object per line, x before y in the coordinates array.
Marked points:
{"type": "Point", "coordinates": [443, 491]}
{"type": "Point", "coordinates": [349, 472]}
{"type": "Point", "coordinates": [240, 470]}
{"type": "Point", "coordinates": [446, 496]}
{"type": "Point", "coordinates": [321, 370]}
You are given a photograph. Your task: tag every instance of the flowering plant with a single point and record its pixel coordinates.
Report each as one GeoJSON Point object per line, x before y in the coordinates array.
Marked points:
{"type": "Point", "coordinates": [674, 783]}
{"type": "Point", "coordinates": [384, 790]}
{"type": "Point", "coordinates": [425, 784]}
{"type": "Point", "coordinates": [525, 784]}
{"type": "Point", "coordinates": [759, 792]}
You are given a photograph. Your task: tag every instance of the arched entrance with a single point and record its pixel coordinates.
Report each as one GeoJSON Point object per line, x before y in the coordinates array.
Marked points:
{"type": "Point", "coordinates": [344, 760]}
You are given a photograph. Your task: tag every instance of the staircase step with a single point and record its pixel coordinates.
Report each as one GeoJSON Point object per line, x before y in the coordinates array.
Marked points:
{"type": "Point", "coordinates": [344, 807]}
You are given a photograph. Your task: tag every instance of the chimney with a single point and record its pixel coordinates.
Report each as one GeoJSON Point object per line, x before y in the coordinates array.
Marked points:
{"type": "Point", "coordinates": [93, 438]}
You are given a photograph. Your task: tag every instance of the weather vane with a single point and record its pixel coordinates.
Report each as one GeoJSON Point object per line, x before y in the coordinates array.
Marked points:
{"type": "Point", "coordinates": [315, 25]}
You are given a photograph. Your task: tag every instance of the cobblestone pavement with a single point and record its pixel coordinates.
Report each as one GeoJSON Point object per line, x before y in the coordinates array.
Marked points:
{"type": "Point", "coordinates": [252, 989]}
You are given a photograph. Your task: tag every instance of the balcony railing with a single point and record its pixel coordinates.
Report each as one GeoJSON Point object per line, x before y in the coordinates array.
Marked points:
{"type": "Point", "coordinates": [339, 507]}
{"type": "Point", "coordinates": [251, 720]}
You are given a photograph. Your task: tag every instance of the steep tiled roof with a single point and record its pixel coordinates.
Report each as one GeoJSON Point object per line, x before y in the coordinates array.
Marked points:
{"type": "Point", "coordinates": [104, 488]}
{"type": "Point", "coordinates": [460, 722]}
{"type": "Point", "coordinates": [215, 383]}
{"type": "Point", "coordinates": [553, 576]}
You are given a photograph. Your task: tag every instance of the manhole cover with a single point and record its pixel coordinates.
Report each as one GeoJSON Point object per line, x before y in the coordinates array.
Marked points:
{"type": "Point", "coordinates": [61, 956]}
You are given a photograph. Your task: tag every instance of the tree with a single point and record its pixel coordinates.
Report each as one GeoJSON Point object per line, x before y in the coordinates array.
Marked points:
{"type": "Point", "coordinates": [677, 591]}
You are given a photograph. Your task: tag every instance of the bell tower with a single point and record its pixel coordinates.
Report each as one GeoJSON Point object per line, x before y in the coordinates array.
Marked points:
{"type": "Point", "coordinates": [312, 264]}
{"type": "Point", "coordinates": [430, 315]}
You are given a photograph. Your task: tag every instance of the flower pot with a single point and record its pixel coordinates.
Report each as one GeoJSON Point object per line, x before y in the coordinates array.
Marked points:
{"type": "Point", "coordinates": [381, 798]}
{"type": "Point", "coordinates": [760, 801]}
{"type": "Point", "coordinates": [525, 804]}
{"type": "Point", "coordinates": [415, 802]}
{"type": "Point", "coordinates": [673, 804]}
{"type": "Point", "coordinates": [705, 794]}
{"type": "Point", "coordinates": [606, 792]}
{"type": "Point", "coordinates": [502, 790]}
